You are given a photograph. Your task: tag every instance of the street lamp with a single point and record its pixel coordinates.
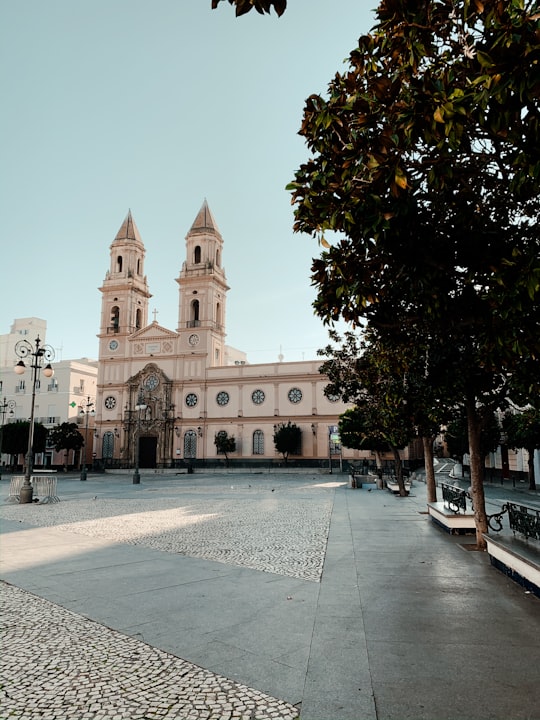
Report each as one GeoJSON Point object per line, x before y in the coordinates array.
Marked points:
{"type": "Point", "coordinates": [139, 407]}
{"type": "Point", "coordinates": [86, 410]}
{"type": "Point", "coordinates": [4, 407]}
{"type": "Point", "coordinates": [38, 353]}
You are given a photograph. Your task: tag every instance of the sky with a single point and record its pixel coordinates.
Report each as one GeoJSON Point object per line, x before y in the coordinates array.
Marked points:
{"type": "Point", "coordinates": [111, 105]}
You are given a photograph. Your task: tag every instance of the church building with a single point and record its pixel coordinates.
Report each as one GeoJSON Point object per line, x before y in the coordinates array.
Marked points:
{"type": "Point", "coordinates": [163, 395]}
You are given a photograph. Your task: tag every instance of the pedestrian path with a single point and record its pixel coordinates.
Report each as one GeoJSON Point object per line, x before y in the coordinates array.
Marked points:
{"type": "Point", "coordinates": [332, 604]}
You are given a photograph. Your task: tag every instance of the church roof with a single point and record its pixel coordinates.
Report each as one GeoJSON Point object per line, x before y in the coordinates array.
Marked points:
{"type": "Point", "coordinates": [205, 220]}
{"type": "Point", "coordinates": [129, 230]}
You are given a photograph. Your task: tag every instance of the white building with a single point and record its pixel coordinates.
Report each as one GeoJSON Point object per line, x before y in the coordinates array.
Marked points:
{"type": "Point", "coordinates": [58, 399]}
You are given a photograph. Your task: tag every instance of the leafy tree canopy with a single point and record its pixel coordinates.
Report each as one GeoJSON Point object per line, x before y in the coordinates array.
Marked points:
{"type": "Point", "coordinates": [261, 6]}
{"type": "Point", "coordinates": [225, 444]}
{"type": "Point", "coordinates": [15, 438]}
{"type": "Point", "coordinates": [426, 156]}
{"type": "Point", "coordinates": [287, 439]}
{"type": "Point", "coordinates": [66, 436]}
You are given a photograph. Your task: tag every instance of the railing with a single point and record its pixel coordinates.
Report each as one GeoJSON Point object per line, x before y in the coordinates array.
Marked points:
{"type": "Point", "coordinates": [454, 497]}
{"type": "Point", "coordinates": [522, 519]}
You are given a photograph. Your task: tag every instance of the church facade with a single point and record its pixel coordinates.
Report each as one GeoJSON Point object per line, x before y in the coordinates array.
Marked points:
{"type": "Point", "coordinates": [163, 395]}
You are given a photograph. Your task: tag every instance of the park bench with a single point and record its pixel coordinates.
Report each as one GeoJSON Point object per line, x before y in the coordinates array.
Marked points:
{"type": "Point", "coordinates": [517, 555]}
{"type": "Point", "coordinates": [455, 513]}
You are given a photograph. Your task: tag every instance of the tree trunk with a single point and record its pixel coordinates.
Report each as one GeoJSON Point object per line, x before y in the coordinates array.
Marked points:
{"type": "Point", "coordinates": [530, 466]}
{"type": "Point", "coordinates": [399, 471]}
{"type": "Point", "coordinates": [431, 487]}
{"type": "Point", "coordinates": [477, 473]}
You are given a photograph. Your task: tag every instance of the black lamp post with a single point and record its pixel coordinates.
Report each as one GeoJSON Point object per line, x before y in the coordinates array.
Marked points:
{"type": "Point", "coordinates": [38, 353]}
{"type": "Point", "coordinates": [4, 408]}
{"type": "Point", "coordinates": [139, 407]}
{"type": "Point", "coordinates": [86, 410]}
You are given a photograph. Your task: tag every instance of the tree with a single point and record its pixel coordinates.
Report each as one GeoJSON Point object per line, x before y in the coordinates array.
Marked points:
{"type": "Point", "coordinates": [15, 438]}
{"type": "Point", "coordinates": [225, 444]}
{"type": "Point", "coordinates": [381, 419]}
{"type": "Point", "coordinates": [402, 384]}
{"type": "Point", "coordinates": [457, 436]}
{"type": "Point", "coordinates": [287, 439]}
{"type": "Point", "coordinates": [426, 161]}
{"type": "Point", "coordinates": [66, 436]}
{"type": "Point", "coordinates": [523, 431]}
{"type": "Point", "coordinates": [261, 6]}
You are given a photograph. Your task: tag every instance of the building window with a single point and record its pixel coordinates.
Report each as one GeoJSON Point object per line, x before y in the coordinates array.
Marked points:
{"type": "Point", "coordinates": [190, 445]}
{"type": "Point", "coordinates": [138, 316]}
{"type": "Point", "coordinates": [119, 264]}
{"type": "Point", "coordinates": [108, 446]}
{"type": "Point", "coordinates": [191, 399]}
{"type": "Point", "coordinates": [195, 312]}
{"type": "Point", "coordinates": [222, 398]}
{"type": "Point", "coordinates": [115, 318]}
{"type": "Point", "coordinates": [258, 397]}
{"type": "Point", "coordinates": [295, 395]}
{"type": "Point", "coordinates": [197, 255]}
{"type": "Point", "coordinates": [258, 442]}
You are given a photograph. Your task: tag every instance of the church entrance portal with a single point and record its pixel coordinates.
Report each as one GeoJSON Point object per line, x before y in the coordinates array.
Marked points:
{"type": "Point", "coordinates": [147, 452]}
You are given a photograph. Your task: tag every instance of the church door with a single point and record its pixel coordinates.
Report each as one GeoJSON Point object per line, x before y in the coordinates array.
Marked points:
{"type": "Point", "coordinates": [147, 452]}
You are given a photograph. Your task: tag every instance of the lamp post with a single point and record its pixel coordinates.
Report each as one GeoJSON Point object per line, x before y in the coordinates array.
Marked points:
{"type": "Point", "coordinates": [139, 407]}
{"type": "Point", "coordinates": [4, 407]}
{"type": "Point", "coordinates": [38, 353]}
{"type": "Point", "coordinates": [86, 410]}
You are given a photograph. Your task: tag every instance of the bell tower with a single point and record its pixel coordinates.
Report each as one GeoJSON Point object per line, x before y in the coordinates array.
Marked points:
{"type": "Point", "coordinates": [124, 304]}
{"type": "Point", "coordinates": [203, 291]}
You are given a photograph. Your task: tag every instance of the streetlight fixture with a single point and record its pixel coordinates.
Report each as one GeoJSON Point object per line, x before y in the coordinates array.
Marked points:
{"type": "Point", "coordinates": [38, 353]}
{"type": "Point", "coordinates": [85, 411]}
{"type": "Point", "coordinates": [139, 407]}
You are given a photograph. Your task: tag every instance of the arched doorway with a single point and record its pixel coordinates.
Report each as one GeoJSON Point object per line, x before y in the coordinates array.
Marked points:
{"type": "Point", "coordinates": [147, 452]}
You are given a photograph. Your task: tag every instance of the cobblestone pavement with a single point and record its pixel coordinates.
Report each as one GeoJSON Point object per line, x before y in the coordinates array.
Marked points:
{"type": "Point", "coordinates": [259, 525]}
{"type": "Point", "coordinates": [57, 665]}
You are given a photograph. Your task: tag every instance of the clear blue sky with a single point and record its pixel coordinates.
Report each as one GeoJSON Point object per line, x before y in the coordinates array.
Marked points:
{"type": "Point", "coordinates": [115, 104]}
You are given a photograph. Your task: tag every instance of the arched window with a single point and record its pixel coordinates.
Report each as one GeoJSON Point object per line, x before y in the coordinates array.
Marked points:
{"type": "Point", "coordinates": [107, 452]}
{"type": "Point", "coordinates": [258, 442]}
{"type": "Point", "coordinates": [190, 444]}
{"type": "Point", "coordinates": [218, 258]}
{"type": "Point", "coordinates": [197, 255]}
{"type": "Point", "coordinates": [139, 266]}
{"type": "Point", "coordinates": [138, 319]}
{"type": "Point", "coordinates": [195, 312]}
{"type": "Point", "coordinates": [115, 318]}
{"type": "Point", "coordinates": [218, 313]}
{"type": "Point", "coordinates": [119, 264]}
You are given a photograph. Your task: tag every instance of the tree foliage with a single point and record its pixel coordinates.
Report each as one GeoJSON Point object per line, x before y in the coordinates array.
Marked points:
{"type": "Point", "coordinates": [225, 444]}
{"type": "Point", "coordinates": [15, 438]}
{"type": "Point", "coordinates": [261, 6]}
{"type": "Point", "coordinates": [287, 439]}
{"type": "Point", "coordinates": [426, 164]}
{"type": "Point", "coordinates": [523, 431]}
{"type": "Point", "coordinates": [66, 436]}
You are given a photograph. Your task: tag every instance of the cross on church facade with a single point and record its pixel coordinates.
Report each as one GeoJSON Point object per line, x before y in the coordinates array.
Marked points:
{"type": "Point", "coordinates": [154, 313]}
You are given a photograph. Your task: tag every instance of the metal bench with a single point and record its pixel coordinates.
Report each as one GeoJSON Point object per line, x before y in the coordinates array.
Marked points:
{"type": "Point", "coordinates": [45, 488]}
{"type": "Point", "coordinates": [454, 498]}
{"type": "Point", "coordinates": [15, 486]}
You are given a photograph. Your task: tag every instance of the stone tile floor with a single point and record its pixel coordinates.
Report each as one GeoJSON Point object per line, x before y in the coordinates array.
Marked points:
{"type": "Point", "coordinates": [57, 665]}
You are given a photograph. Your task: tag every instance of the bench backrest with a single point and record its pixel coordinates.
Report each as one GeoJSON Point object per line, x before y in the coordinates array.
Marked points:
{"type": "Point", "coordinates": [524, 520]}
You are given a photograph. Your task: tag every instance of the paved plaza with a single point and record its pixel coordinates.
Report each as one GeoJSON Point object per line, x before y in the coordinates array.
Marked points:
{"type": "Point", "coordinates": [255, 596]}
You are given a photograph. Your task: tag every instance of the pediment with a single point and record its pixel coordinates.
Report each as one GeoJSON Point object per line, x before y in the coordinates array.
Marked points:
{"type": "Point", "coordinates": [153, 332]}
